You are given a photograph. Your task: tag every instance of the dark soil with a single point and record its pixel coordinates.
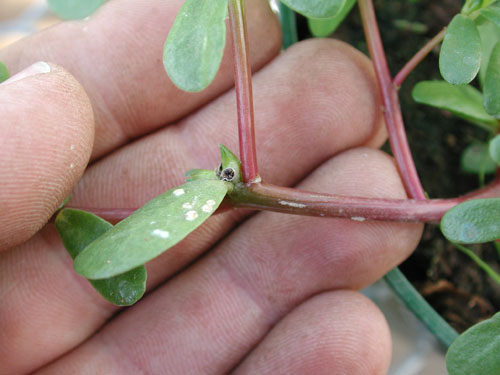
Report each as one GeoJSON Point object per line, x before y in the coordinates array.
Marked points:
{"type": "Point", "coordinates": [457, 288]}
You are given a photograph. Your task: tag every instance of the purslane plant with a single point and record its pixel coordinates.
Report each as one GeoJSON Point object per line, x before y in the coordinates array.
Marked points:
{"type": "Point", "coordinates": [112, 257]}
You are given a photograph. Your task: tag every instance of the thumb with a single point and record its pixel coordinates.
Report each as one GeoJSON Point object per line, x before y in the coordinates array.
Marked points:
{"type": "Point", "coordinates": [46, 137]}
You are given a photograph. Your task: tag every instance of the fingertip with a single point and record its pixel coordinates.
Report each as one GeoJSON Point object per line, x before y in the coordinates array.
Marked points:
{"type": "Point", "coordinates": [370, 173]}
{"type": "Point", "coordinates": [339, 332]}
{"type": "Point", "coordinates": [264, 34]}
{"type": "Point", "coordinates": [47, 128]}
{"type": "Point", "coordinates": [339, 107]}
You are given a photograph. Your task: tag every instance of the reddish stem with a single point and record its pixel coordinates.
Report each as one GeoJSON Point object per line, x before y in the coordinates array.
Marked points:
{"type": "Point", "coordinates": [282, 199]}
{"type": "Point", "coordinates": [243, 84]}
{"type": "Point", "coordinates": [392, 108]}
{"type": "Point", "coordinates": [288, 200]}
{"type": "Point", "coordinates": [415, 60]}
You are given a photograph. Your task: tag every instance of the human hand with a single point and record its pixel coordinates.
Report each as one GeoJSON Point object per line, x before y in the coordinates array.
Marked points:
{"type": "Point", "coordinates": [273, 293]}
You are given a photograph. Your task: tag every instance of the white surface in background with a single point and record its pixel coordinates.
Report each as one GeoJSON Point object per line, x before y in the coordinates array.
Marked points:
{"type": "Point", "coordinates": [25, 22]}
{"type": "Point", "coordinates": [415, 351]}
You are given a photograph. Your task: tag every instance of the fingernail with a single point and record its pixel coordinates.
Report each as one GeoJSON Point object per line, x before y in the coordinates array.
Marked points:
{"type": "Point", "coordinates": [40, 67]}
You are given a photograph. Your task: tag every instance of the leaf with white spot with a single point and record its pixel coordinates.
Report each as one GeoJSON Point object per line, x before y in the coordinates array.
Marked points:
{"type": "Point", "coordinates": [152, 229]}
{"type": "Point", "coordinates": [77, 229]}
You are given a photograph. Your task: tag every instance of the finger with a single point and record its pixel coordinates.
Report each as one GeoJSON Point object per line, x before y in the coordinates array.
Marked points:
{"type": "Point", "coordinates": [138, 172]}
{"type": "Point", "coordinates": [125, 79]}
{"type": "Point", "coordinates": [334, 333]}
{"type": "Point", "coordinates": [224, 305]}
{"type": "Point", "coordinates": [293, 137]}
{"type": "Point", "coordinates": [47, 129]}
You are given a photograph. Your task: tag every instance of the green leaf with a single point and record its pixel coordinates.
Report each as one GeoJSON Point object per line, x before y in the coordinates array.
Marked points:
{"type": "Point", "coordinates": [74, 9]}
{"type": "Point", "coordinates": [474, 221]}
{"type": "Point", "coordinates": [230, 160]}
{"type": "Point", "coordinates": [494, 149]}
{"type": "Point", "coordinates": [491, 87]}
{"type": "Point", "coordinates": [471, 5]}
{"type": "Point", "coordinates": [321, 27]}
{"type": "Point", "coordinates": [195, 44]}
{"type": "Point", "coordinates": [64, 203]}
{"type": "Point", "coordinates": [200, 174]}
{"type": "Point", "coordinates": [413, 27]}
{"type": "Point", "coordinates": [152, 229]}
{"type": "Point", "coordinates": [316, 8]}
{"type": "Point", "coordinates": [78, 229]}
{"type": "Point", "coordinates": [460, 56]}
{"type": "Point", "coordinates": [476, 160]}
{"type": "Point", "coordinates": [4, 73]}
{"type": "Point", "coordinates": [477, 350]}
{"type": "Point", "coordinates": [489, 34]}
{"type": "Point", "coordinates": [463, 101]}
{"type": "Point", "coordinates": [492, 14]}
{"type": "Point", "coordinates": [288, 20]}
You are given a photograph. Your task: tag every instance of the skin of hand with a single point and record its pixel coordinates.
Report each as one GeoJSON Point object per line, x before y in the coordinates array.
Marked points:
{"type": "Point", "coordinates": [244, 294]}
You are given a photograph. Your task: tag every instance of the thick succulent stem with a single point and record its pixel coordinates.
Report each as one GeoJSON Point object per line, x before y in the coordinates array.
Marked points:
{"type": "Point", "coordinates": [243, 84]}
{"type": "Point", "coordinates": [390, 101]}
{"type": "Point", "coordinates": [269, 197]}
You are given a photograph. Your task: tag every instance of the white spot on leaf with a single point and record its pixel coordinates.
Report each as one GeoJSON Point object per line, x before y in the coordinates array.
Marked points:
{"type": "Point", "coordinates": [469, 60]}
{"type": "Point", "coordinates": [191, 215]}
{"type": "Point", "coordinates": [160, 233]}
{"type": "Point", "coordinates": [207, 208]}
{"type": "Point", "coordinates": [152, 222]}
{"type": "Point", "coordinates": [179, 192]}
{"type": "Point", "coordinates": [211, 202]}
{"type": "Point", "coordinates": [187, 206]}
